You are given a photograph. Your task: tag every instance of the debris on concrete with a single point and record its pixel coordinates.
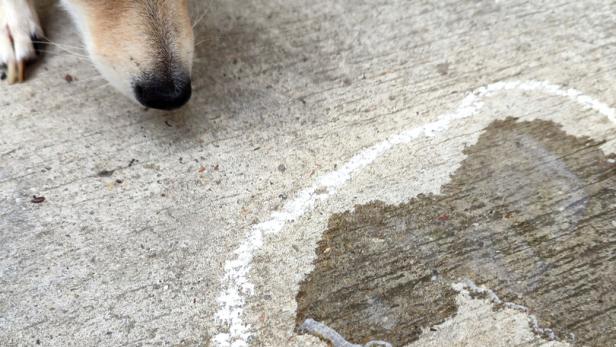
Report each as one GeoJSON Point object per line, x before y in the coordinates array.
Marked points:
{"type": "Point", "coordinates": [37, 199]}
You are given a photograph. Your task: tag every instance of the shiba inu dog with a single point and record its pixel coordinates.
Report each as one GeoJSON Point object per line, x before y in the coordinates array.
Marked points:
{"type": "Point", "coordinates": [144, 48]}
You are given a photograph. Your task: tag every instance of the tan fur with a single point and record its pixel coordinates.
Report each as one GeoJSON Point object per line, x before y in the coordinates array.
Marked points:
{"type": "Point", "coordinates": [129, 38]}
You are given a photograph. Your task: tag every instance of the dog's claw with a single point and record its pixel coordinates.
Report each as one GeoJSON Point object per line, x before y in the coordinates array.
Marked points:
{"type": "Point", "coordinates": [11, 76]}
{"type": "Point", "coordinates": [16, 72]}
{"type": "Point", "coordinates": [21, 71]}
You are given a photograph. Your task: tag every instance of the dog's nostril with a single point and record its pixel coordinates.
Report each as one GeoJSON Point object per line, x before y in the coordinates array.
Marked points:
{"type": "Point", "coordinates": [164, 94]}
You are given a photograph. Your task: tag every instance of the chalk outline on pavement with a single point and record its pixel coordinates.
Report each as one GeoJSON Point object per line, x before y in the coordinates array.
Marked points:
{"type": "Point", "coordinates": [235, 283]}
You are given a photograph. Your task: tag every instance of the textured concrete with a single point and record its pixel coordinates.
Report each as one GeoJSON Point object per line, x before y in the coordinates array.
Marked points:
{"type": "Point", "coordinates": [143, 209]}
{"type": "Point", "coordinates": [528, 214]}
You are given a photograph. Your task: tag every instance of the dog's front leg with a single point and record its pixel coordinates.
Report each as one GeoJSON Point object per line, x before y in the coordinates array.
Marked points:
{"type": "Point", "coordinates": [19, 26]}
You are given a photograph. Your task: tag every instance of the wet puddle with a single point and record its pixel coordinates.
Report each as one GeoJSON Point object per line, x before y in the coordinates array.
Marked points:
{"type": "Point", "coordinates": [530, 214]}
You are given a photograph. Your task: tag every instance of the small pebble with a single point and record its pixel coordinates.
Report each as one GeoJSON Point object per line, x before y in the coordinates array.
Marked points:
{"type": "Point", "coordinates": [37, 199]}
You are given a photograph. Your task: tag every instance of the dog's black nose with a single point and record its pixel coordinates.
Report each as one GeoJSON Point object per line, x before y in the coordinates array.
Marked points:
{"type": "Point", "coordinates": [163, 93]}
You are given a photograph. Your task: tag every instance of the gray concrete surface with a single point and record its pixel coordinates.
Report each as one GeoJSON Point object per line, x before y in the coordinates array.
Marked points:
{"type": "Point", "coordinates": [143, 209]}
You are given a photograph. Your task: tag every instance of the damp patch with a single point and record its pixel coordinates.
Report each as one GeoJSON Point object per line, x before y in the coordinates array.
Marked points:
{"type": "Point", "coordinates": [530, 214]}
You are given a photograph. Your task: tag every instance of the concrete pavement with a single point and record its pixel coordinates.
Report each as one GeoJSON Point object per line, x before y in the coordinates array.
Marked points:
{"type": "Point", "coordinates": [226, 222]}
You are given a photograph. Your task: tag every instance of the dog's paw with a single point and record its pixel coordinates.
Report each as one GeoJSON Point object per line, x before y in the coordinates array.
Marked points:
{"type": "Point", "coordinates": [19, 27]}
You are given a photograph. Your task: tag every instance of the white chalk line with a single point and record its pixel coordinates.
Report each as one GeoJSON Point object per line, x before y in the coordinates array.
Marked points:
{"type": "Point", "coordinates": [233, 331]}
{"type": "Point", "coordinates": [326, 333]}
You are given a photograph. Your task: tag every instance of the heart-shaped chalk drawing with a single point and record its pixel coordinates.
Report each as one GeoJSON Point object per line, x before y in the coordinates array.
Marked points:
{"type": "Point", "coordinates": [236, 286]}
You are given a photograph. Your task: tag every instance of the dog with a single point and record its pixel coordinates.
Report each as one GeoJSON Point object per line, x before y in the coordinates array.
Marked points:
{"type": "Point", "coordinates": [144, 48]}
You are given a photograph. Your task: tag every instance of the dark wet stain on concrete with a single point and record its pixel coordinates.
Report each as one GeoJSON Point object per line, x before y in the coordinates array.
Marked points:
{"type": "Point", "coordinates": [531, 214]}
